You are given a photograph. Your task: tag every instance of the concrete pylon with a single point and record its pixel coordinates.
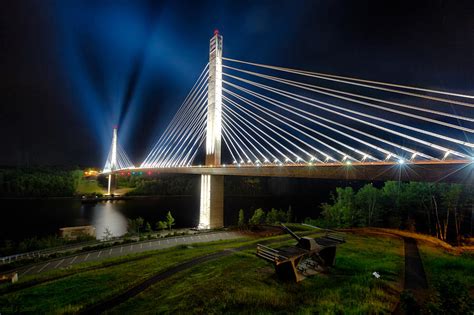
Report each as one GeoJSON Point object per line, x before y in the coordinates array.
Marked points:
{"type": "Point", "coordinates": [113, 164]}
{"type": "Point", "coordinates": [212, 187]}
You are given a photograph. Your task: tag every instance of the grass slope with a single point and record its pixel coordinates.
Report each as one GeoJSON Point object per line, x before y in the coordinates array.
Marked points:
{"type": "Point", "coordinates": [244, 283]}
{"type": "Point", "coordinates": [83, 287]}
{"type": "Point", "coordinates": [438, 263]}
{"type": "Point", "coordinates": [87, 186]}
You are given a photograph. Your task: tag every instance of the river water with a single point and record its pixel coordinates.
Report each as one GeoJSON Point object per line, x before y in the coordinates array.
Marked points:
{"type": "Point", "coordinates": [24, 218]}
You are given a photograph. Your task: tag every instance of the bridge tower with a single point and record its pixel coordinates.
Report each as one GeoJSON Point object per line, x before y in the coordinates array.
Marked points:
{"type": "Point", "coordinates": [212, 186]}
{"type": "Point", "coordinates": [113, 163]}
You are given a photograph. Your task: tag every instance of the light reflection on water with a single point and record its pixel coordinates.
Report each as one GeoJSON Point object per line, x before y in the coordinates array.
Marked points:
{"type": "Point", "coordinates": [44, 217]}
{"type": "Point", "coordinates": [106, 216]}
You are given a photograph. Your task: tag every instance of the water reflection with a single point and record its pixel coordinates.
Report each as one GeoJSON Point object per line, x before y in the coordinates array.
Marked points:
{"type": "Point", "coordinates": [44, 217]}
{"type": "Point", "coordinates": [107, 216]}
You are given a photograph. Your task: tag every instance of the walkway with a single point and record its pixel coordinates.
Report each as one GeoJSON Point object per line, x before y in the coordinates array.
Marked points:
{"type": "Point", "coordinates": [415, 278]}
{"type": "Point", "coordinates": [121, 250]}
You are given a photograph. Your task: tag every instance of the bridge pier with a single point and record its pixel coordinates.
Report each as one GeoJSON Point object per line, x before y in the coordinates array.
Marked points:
{"type": "Point", "coordinates": [112, 183]}
{"type": "Point", "coordinates": [212, 202]}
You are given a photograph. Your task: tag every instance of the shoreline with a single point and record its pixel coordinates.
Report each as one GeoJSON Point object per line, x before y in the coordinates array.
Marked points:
{"type": "Point", "coordinates": [79, 198]}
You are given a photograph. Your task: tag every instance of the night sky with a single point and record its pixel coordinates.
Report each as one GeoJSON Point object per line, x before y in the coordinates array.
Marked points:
{"type": "Point", "coordinates": [70, 70]}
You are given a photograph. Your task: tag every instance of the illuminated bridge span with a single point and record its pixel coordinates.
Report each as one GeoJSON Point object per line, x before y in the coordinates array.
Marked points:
{"type": "Point", "coordinates": [253, 119]}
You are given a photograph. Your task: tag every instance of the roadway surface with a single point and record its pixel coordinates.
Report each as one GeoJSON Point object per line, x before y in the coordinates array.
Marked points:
{"type": "Point", "coordinates": [461, 171]}
{"type": "Point", "coordinates": [121, 250]}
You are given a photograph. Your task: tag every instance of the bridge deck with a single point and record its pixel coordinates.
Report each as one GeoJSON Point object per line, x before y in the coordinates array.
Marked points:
{"type": "Point", "coordinates": [449, 170]}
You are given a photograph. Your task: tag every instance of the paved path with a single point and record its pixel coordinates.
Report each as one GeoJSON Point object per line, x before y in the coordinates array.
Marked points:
{"type": "Point", "coordinates": [121, 250]}
{"type": "Point", "coordinates": [415, 278]}
{"type": "Point", "coordinates": [103, 306]}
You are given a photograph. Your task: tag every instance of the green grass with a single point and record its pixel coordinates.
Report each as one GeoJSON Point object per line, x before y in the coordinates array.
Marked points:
{"type": "Point", "coordinates": [83, 287]}
{"type": "Point", "coordinates": [439, 263]}
{"type": "Point", "coordinates": [244, 283]}
{"type": "Point", "coordinates": [87, 186]}
{"type": "Point", "coordinates": [232, 284]}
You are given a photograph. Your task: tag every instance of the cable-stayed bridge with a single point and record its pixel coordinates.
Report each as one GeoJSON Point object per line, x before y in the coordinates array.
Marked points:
{"type": "Point", "coordinates": [276, 121]}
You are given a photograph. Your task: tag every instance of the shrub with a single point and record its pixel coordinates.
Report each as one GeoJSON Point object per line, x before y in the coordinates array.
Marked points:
{"type": "Point", "coordinates": [258, 217]}
{"type": "Point", "coordinates": [451, 297]}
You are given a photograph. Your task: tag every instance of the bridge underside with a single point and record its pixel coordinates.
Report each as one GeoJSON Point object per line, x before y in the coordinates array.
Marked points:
{"type": "Point", "coordinates": [430, 171]}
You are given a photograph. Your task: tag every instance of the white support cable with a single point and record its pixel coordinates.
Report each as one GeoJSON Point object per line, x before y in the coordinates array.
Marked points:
{"type": "Point", "coordinates": [122, 160]}
{"type": "Point", "coordinates": [186, 129]}
{"type": "Point", "coordinates": [240, 143]}
{"type": "Point", "coordinates": [168, 143]}
{"type": "Point", "coordinates": [107, 166]}
{"type": "Point", "coordinates": [260, 135]}
{"type": "Point", "coordinates": [189, 148]}
{"type": "Point", "coordinates": [190, 110]}
{"type": "Point", "coordinates": [303, 98]}
{"type": "Point", "coordinates": [258, 95]}
{"type": "Point", "coordinates": [203, 138]}
{"type": "Point", "coordinates": [185, 107]}
{"type": "Point", "coordinates": [173, 131]}
{"type": "Point", "coordinates": [231, 138]}
{"type": "Point", "coordinates": [224, 136]}
{"type": "Point", "coordinates": [126, 158]}
{"type": "Point", "coordinates": [429, 133]}
{"type": "Point", "coordinates": [239, 140]}
{"type": "Point", "coordinates": [363, 154]}
{"type": "Point", "coordinates": [431, 111]}
{"type": "Point", "coordinates": [183, 143]}
{"type": "Point", "coordinates": [171, 145]}
{"type": "Point", "coordinates": [238, 129]}
{"type": "Point", "coordinates": [345, 80]}
{"type": "Point", "coordinates": [181, 108]}
{"type": "Point", "coordinates": [271, 114]}
{"type": "Point", "coordinates": [292, 109]}
{"type": "Point", "coordinates": [242, 130]}
{"type": "Point", "coordinates": [234, 159]}
{"type": "Point", "coordinates": [265, 122]}
{"type": "Point", "coordinates": [318, 89]}
{"type": "Point", "coordinates": [179, 142]}
{"type": "Point", "coordinates": [191, 145]}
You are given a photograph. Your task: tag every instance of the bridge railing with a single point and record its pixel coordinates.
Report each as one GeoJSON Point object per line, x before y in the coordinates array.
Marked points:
{"type": "Point", "coordinates": [44, 252]}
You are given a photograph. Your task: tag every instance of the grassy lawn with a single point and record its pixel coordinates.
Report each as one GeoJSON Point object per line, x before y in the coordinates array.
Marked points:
{"type": "Point", "coordinates": [439, 263]}
{"type": "Point", "coordinates": [244, 283]}
{"type": "Point", "coordinates": [86, 186]}
{"type": "Point", "coordinates": [83, 287]}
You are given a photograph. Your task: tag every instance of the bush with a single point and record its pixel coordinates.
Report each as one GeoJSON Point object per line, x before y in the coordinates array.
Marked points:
{"type": "Point", "coordinates": [276, 216]}
{"type": "Point", "coordinates": [451, 297]}
{"type": "Point", "coordinates": [258, 217]}
{"type": "Point", "coordinates": [241, 221]}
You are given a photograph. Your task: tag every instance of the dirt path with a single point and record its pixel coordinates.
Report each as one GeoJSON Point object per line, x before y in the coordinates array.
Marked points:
{"type": "Point", "coordinates": [124, 296]}
{"type": "Point", "coordinates": [415, 277]}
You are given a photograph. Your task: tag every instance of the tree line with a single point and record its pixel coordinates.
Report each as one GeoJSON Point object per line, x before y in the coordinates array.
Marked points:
{"type": "Point", "coordinates": [138, 224]}
{"type": "Point", "coordinates": [442, 210]}
{"type": "Point", "coordinates": [164, 184]}
{"type": "Point", "coordinates": [38, 182]}
{"type": "Point", "coordinates": [259, 216]}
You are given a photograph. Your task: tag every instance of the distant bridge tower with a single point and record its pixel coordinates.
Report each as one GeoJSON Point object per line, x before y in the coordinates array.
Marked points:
{"type": "Point", "coordinates": [113, 163]}
{"type": "Point", "coordinates": [212, 186]}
